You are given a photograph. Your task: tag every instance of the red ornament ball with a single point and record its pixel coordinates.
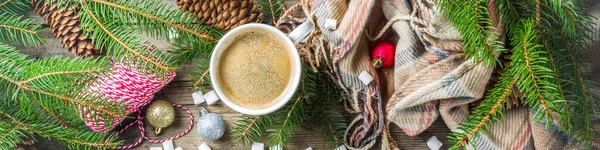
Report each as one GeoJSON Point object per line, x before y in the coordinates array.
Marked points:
{"type": "Point", "coordinates": [383, 54]}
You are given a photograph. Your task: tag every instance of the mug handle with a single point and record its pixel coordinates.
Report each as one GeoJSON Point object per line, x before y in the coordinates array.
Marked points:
{"type": "Point", "coordinates": [301, 32]}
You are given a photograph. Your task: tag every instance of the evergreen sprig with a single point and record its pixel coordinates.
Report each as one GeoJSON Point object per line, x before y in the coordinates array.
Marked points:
{"type": "Point", "coordinates": [33, 89]}
{"type": "Point", "coordinates": [121, 42]}
{"type": "Point", "coordinates": [160, 20]}
{"type": "Point", "coordinates": [14, 7]}
{"type": "Point", "coordinates": [547, 38]}
{"type": "Point", "coordinates": [567, 45]}
{"type": "Point", "coordinates": [16, 30]}
{"type": "Point", "coordinates": [249, 129]}
{"type": "Point", "coordinates": [531, 74]}
{"type": "Point", "coordinates": [489, 110]}
{"type": "Point", "coordinates": [25, 124]}
{"type": "Point", "coordinates": [479, 36]}
{"type": "Point", "coordinates": [54, 82]}
{"type": "Point", "coordinates": [314, 101]}
{"type": "Point", "coordinates": [272, 8]}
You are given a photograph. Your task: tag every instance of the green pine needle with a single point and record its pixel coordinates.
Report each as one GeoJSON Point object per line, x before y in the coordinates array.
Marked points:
{"type": "Point", "coordinates": [16, 30]}
{"type": "Point", "coordinates": [121, 42]}
{"type": "Point", "coordinates": [272, 8]}
{"type": "Point", "coordinates": [14, 7]}
{"type": "Point", "coordinates": [160, 20]}
{"type": "Point", "coordinates": [249, 129]}
{"type": "Point", "coordinates": [35, 122]}
{"type": "Point", "coordinates": [471, 19]}
{"type": "Point", "coordinates": [315, 101]}
{"type": "Point", "coordinates": [488, 111]}
{"type": "Point", "coordinates": [531, 74]}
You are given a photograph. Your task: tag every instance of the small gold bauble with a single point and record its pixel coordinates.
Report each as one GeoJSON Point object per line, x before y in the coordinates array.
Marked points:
{"type": "Point", "coordinates": [160, 114]}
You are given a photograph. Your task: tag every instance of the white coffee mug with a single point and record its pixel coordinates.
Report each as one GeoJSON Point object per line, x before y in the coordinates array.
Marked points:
{"type": "Point", "coordinates": [292, 39]}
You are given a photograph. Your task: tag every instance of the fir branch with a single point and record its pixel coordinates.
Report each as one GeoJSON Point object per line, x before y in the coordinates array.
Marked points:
{"type": "Point", "coordinates": [63, 73]}
{"type": "Point", "coordinates": [570, 14]}
{"type": "Point", "coordinates": [286, 121]}
{"type": "Point", "coordinates": [16, 30]}
{"type": "Point", "coordinates": [580, 88]}
{"type": "Point", "coordinates": [272, 8]}
{"type": "Point", "coordinates": [249, 129]}
{"type": "Point", "coordinates": [314, 101]}
{"type": "Point", "coordinates": [293, 115]}
{"type": "Point", "coordinates": [118, 41]}
{"type": "Point", "coordinates": [159, 13]}
{"type": "Point", "coordinates": [470, 18]}
{"type": "Point", "coordinates": [201, 74]}
{"type": "Point", "coordinates": [327, 118]}
{"type": "Point", "coordinates": [564, 117]}
{"type": "Point", "coordinates": [161, 20]}
{"type": "Point", "coordinates": [60, 119]}
{"type": "Point", "coordinates": [488, 111]}
{"type": "Point", "coordinates": [10, 135]}
{"type": "Point", "coordinates": [201, 78]}
{"type": "Point", "coordinates": [51, 89]}
{"type": "Point", "coordinates": [14, 7]}
{"type": "Point", "coordinates": [509, 12]}
{"type": "Point", "coordinates": [531, 73]}
{"type": "Point", "coordinates": [330, 122]}
{"type": "Point", "coordinates": [188, 52]}
{"type": "Point", "coordinates": [77, 139]}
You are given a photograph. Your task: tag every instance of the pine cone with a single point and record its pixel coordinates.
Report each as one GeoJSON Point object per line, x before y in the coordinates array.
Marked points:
{"type": "Point", "coordinates": [223, 14]}
{"type": "Point", "coordinates": [64, 23]}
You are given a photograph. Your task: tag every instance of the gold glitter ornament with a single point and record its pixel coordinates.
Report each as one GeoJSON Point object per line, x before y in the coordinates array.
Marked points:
{"type": "Point", "coordinates": [160, 114]}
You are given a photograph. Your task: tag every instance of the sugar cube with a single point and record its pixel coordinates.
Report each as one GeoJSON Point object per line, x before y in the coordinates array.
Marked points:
{"type": "Point", "coordinates": [433, 143]}
{"type": "Point", "coordinates": [204, 146]}
{"type": "Point", "coordinates": [258, 146]}
{"type": "Point", "coordinates": [365, 77]}
{"type": "Point", "coordinates": [198, 98]}
{"type": "Point", "coordinates": [211, 97]}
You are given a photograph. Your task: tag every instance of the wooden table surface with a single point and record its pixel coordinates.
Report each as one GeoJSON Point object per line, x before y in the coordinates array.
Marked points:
{"type": "Point", "coordinates": [179, 92]}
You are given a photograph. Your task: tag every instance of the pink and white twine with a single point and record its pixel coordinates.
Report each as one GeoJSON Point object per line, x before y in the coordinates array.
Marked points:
{"type": "Point", "coordinates": [125, 84]}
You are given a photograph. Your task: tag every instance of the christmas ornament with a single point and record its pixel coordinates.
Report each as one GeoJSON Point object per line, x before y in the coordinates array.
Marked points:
{"type": "Point", "coordinates": [223, 14]}
{"type": "Point", "coordinates": [382, 54]}
{"type": "Point", "coordinates": [160, 114]}
{"type": "Point", "coordinates": [210, 125]}
{"type": "Point", "coordinates": [64, 24]}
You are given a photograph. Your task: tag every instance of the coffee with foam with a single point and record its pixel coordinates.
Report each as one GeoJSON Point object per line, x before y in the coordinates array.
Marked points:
{"type": "Point", "coordinates": [255, 69]}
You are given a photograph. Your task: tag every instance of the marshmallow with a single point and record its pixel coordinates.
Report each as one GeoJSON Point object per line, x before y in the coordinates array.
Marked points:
{"type": "Point", "coordinates": [433, 143]}
{"type": "Point", "coordinates": [168, 145]}
{"type": "Point", "coordinates": [156, 148]}
{"type": "Point", "coordinates": [258, 146]}
{"type": "Point", "coordinates": [331, 24]}
{"type": "Point", "coordinates": [178, 148]}
{"type": "Point", "coordinates": [309, 148]}
{"type": "Point", "coordinates": [365, 77]}
{"type": "Point", "coordinates": [204, 146]}
{"type": "Point", "coordinates": [211, 97]}
{"type": "Point", "coordinates": [198, 97]}
{"type": "Point", "coordinates": [342, 147]}
{"type": "Point", "coordinates": [277, 147]}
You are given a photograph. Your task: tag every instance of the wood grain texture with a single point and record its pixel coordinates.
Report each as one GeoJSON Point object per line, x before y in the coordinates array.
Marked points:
{"type": "Point", "coordinates": [179, 92]}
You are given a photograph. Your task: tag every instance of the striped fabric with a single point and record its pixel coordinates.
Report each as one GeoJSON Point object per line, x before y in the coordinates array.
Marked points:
{"type": "Point", "coordinates": [431, 77]}
{"type": "Point", "coordinates": [433, 80]}
{"type": "Point", "coordinates": [350, 58]}
{"type": "Point", "coordinates": [430, 69]}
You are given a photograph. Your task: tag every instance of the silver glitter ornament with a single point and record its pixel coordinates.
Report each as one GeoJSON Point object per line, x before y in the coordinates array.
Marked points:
{"type": "Point", "coordinates": [210, 125]}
